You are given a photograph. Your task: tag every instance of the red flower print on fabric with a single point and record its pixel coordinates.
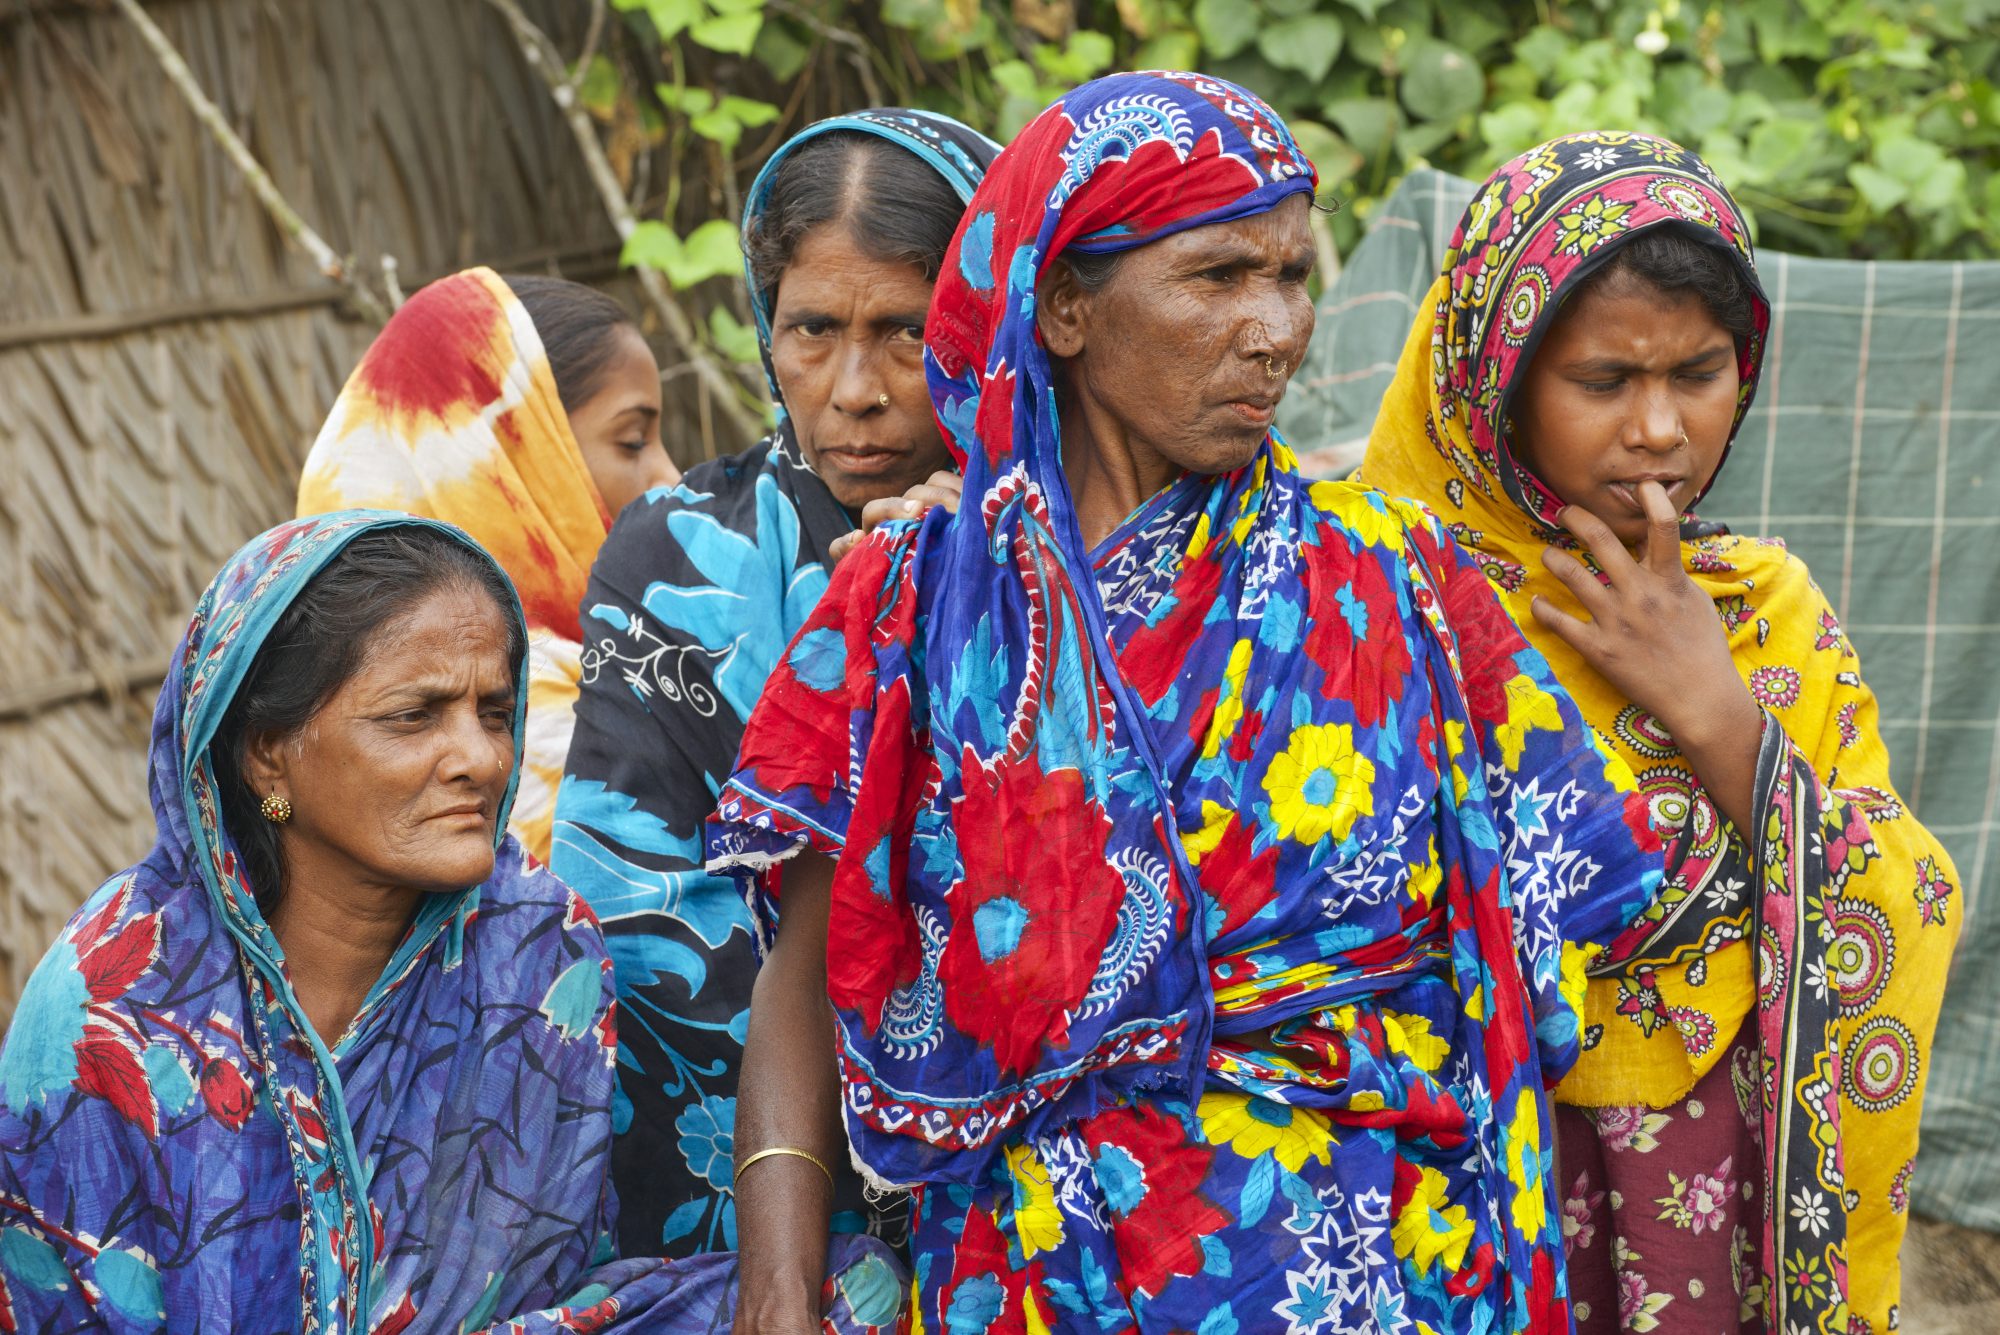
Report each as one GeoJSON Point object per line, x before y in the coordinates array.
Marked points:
{"type": "Point", "coordinates": [1040, 904]}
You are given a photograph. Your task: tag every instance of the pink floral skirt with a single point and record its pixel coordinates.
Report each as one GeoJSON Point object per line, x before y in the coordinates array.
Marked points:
{"type": "Point", "coordinates": [1660, 1209]}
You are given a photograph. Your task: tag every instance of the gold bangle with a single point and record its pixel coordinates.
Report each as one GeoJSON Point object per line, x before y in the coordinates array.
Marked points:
{"type": "Point", "coordinates": [812, 1159]}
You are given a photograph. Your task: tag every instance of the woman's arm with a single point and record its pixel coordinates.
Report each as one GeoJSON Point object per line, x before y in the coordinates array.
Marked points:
{"type": "Point", "coordinates": [789, 1096]}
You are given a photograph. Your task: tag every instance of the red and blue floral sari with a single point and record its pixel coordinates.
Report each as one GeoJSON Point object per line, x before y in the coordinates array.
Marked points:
{"type": "Point", "coordinates": [179, 1149]}
{"type": "Point", "coordinates": [1211, 907]}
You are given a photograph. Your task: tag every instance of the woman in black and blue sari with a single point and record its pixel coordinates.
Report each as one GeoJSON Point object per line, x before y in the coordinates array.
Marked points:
{"type": "Point", "coordinates": [696, 593]}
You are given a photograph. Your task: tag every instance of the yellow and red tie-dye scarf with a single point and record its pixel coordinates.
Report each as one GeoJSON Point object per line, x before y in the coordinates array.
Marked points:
{"type": "Point", "coordinates": [453, 414]}
{"type": "Point", "coordinates": [1852, 902]}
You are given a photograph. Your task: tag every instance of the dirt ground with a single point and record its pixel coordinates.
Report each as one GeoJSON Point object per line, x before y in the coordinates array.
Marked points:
{"type": "Point", "coordinates": [1951, 1280]}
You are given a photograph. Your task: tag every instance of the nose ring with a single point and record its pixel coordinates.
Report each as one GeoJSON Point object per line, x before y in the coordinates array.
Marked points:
{"type": "Point", "coordinates": [1274, 369]}
{"type": "Point", "coordinates": [883, 399]}
{"type": "Point", "coordinates": [1684, 436]}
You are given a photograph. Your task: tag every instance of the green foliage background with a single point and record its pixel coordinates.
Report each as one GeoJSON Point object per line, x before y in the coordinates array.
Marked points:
{"type": "Point", "coordinates": [1854, 128]}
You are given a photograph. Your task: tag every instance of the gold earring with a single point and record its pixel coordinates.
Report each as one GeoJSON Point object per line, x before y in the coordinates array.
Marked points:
{"type": "Point", "coordinates": [882, 399]}
{"type": "Point", "coordinates": [277, 810]}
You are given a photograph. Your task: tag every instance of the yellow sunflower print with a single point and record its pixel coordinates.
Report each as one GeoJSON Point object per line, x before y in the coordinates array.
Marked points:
{"type": "Point", "coordinates": [1253, 1127]}
{"type": "Point", "coordinates": [1529, 707]}
{"type": "Point", "coordinates": [1319, 785]}
{"type": "Point", "coordinates": [1429, 1229]}
{"type": "Point", "coordinates": [1522, 1139]}
{"type": "Point", "coordinates": [1037, 1221]}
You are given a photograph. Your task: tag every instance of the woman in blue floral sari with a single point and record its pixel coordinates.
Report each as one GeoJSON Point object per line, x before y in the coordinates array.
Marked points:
{"type": "Point", "coordinates": [1194, 866]}
{"type": "Point", "coordinates": [336, 1056]}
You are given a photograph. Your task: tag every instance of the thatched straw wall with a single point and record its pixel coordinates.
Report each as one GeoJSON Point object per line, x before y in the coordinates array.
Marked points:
{"type": "Point", "coordinates": [166, 357]}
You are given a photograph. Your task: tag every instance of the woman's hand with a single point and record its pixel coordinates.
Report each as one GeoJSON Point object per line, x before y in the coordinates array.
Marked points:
{"type": "Point", "coordinates": [1654, 635]}
{"type": "Point", "coordinates": [941, 489]}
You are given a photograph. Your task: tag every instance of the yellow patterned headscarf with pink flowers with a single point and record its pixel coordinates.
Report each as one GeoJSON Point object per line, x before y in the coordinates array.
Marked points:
{"type": "Point", "coordinates": [453, 414]}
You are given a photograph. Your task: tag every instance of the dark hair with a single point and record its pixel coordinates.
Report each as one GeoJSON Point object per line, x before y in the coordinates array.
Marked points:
{"type": "Point", "coordinates": [575, 323]}
{"type": "Point", "coordinates": [1681, 266]}
{"type": "Point", "coordinates": [322, 640]}
{"type": "Point", "coordinates": [896, 208]}
{"type": "Point", "coordinates": [1092, 270]}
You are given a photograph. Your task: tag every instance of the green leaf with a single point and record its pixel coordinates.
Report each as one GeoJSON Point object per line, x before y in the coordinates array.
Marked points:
{"type": "Point", "coordinates": [734, 340]}
{"type": "Point", "coordinates": [1441, 82]}
{"type": "Point", "coordinates": [1424, 138]}
{"type": "Point", "coordinates": [600, 88]}
{"type": "Point", "coordinates": [1781, 147]}
{"type": "Point", "coordinates": [1543, 49]}
{"type": "Point", "coordinates": [1179, 49]}
{"type": "Point", "coordinates": [687, 101]}
{"type": "Point", "coordinates": [669, 17]}
{"type": "Point", "coordinates": [780, 52]}
{"type": "Point", "coordinates": [1367, 9]}
{"type": "Point", "coordinates": [1335, 158]}
{"type": "Point", "coordinates": [1082, 59]}
{"type": "Point", "coordinates": [1368, 122]}
{"type": "Point", "coordinates": [719, 126]}
{"type": "Point", "coordinates": [713, 249]}
{"type": "Point", "coordinates": [1691, 104]}
{"type": "Point", "coordinates": [1092, 51]}
{"type": "Point", "coordinates": [652, 244]}
{"type": "Point", "coordinates": [1308, 44]}
{"type": "Point", "coordinates": [1512, 129]}
{"type": "Point", "coordinates": [749, 111]}
{"type": "Point", "coordinates": [1287, 9]}
{"type": "Point", "coordinates": [1882, 191]}
{"type": "Point", "coordinates": [1931, 178]}
{"type": "Point", "coordinates": [1015, 77]}
{"type": "Point", "coordinates": [1226, 26]}
{"type": "Point", "coordinates": [710, 251]}
{"type": "Point", "coordinates": [1473, 29]}
{"type": "Point", "coordinates": [735, 34]}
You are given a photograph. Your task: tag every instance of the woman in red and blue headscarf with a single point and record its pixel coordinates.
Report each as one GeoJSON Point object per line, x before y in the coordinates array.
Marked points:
{"type": "Point", "coordinates": [1198, 864]}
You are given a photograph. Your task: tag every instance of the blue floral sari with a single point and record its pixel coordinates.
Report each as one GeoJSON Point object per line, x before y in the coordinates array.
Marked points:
{"type": "Point", "coordinates": [180, 1150]}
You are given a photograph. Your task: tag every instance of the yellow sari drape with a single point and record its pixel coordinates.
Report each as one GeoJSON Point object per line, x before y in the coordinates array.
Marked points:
{"type": "Point", "coordinates": [1879, 920]}
{"type": "Point", "coordinates": [453, 414]}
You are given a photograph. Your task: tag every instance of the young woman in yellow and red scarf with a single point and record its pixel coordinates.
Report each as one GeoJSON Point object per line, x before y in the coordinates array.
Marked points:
{"type": "Point", "coordinates": [1736, 1139]}
{"type": "Point", "coordinates": [525, 410]}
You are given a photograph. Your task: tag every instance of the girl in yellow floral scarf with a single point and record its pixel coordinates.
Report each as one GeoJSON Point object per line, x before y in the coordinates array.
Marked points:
{"type": "Point", "coordinates": [1737, 1138]}
{"type": "Point", "coordinates": [527, 412]}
